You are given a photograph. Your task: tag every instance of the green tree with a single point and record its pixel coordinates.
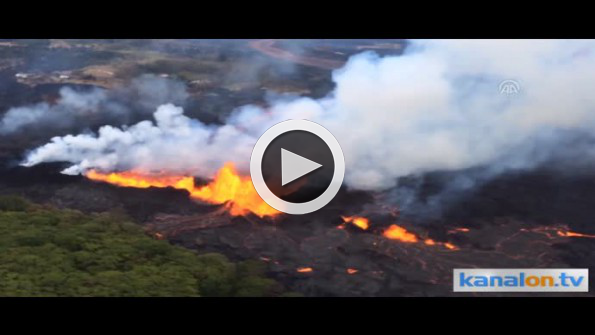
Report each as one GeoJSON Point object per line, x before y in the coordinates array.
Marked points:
{"type": "Point", "coordinates": [50, 252]}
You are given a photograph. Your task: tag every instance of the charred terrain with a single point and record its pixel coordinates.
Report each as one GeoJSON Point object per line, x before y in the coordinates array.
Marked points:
{"type": "Point", "coordinates": [364, 243]}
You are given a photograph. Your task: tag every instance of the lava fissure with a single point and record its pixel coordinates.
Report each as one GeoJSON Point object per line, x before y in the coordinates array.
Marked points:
{"type": "Point", "coordinates": [228, 187]}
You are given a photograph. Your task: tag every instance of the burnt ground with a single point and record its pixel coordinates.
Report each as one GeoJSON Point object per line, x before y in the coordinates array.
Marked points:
{"type": "Point", "coordinates": [510, 222]}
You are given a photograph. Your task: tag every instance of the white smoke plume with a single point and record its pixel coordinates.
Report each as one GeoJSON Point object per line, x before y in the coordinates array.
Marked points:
{"type": "Point", "coordinates": [70, 105]}
{"type": "Point", "coordinates": [436, 107]}
{"type": "Point", "coordinates": [173, 143]}
{"type": "Point", "coordinates": [76, 107]}
{"type": "Point", "coordinates": [151, 91]}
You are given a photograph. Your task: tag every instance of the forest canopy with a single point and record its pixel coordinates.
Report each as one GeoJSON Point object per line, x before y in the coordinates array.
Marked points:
{"type": "Point", "coordinates": [58, 252]}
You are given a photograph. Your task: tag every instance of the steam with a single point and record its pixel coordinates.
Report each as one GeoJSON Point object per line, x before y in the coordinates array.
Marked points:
{"type": "Point", "coordinates": [437, 107]}
{"type": "Point", "coordinates": [173, 143]}
{"type": "Point", "coordinates": [71, 104]}
{"type": "Point", "coordinates": [80, 107]}
{"type": "Point", "coordinates": [150, 91]}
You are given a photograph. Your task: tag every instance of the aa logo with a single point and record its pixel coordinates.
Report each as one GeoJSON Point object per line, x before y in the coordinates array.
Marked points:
{"type": "Point", "coordinates": [509, 87]}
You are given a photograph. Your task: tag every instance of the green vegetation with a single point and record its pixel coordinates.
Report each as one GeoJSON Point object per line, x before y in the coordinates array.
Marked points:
{"type": "Point", "coordinates": [51, 252]}
{"type": "Point", "coordinates": [12, 203]}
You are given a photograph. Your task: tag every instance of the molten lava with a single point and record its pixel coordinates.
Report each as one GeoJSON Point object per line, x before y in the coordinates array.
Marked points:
{"type": "Point", "coordinates": [139, 180]}
{"type": "Point", "coordinates": [561, 231]}
{"type": "Point", "coordinates": [395, 232]}
{"type": "Point", "coordinates": [573, 234]}
{"type": "Point", "coordinates": [459, 230]}
{"type": "Point", "coordinates": [450, 246]}
{"type": "Point", "coordinates": [399, 233]}
{"type": "Point", "coordinates": [358, 221]}
{"type": "Point", "coordinates": [429, 242]}
{"type": "Point", "coordinates": [227, 187]}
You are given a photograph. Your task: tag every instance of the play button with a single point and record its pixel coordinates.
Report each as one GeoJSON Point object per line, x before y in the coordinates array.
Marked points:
{"type": "Point", "coordinates": [294, 166]}
{"type": "Point", "coordinates": [297, 166]}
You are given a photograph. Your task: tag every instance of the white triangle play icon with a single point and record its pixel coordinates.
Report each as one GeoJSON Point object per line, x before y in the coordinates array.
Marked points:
{"type": "Point", "coordinates": [294, 166]}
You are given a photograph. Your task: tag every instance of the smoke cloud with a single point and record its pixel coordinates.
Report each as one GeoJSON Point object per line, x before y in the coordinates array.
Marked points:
{"type": "Point", "coordinates": [80, 108]}
{"type": "Point", "coordinates": [71, 105]}
{"type": "Point", "coordinates": [439, 106]}
{"type": "Point", "coordinates": [173, 142]}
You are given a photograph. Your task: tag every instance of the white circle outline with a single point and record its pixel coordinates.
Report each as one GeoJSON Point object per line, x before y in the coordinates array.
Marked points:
{"type": "Point", "coordinates": [256, 167]}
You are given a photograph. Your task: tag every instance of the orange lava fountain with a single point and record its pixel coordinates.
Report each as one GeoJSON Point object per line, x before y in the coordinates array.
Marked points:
{"type": "Point", "coordinates": [227, 187]}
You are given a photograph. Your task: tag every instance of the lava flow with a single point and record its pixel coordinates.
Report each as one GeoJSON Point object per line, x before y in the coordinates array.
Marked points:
{"type": "Point", "coordinates": [227, 187]}
{"type": "Point", "coordinates": [552, 232]}
{"type": "Point", "coordinates": [358, 221]}
{"type": "Point", "coordinates": [395, 232]}
{"type": "Point", "coordinates": [399, 233]}
{"type": "Point", "coordinates": [573, 234]}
